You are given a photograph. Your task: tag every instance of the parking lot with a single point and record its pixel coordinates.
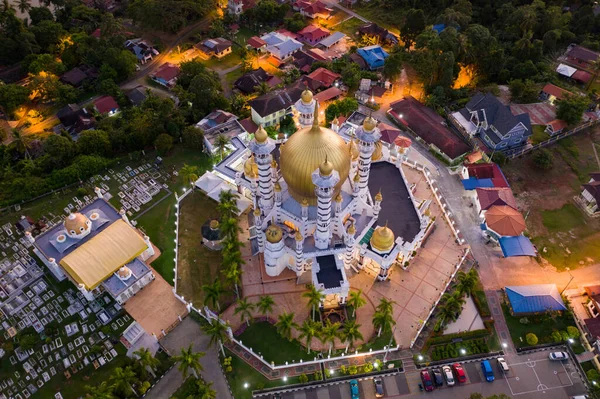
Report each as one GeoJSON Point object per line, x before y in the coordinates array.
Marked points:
{"type": "Point", "coordinates": [530, 376]}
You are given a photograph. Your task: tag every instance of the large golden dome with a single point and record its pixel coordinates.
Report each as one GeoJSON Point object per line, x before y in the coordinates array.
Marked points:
{"type": "Point", "coordinates": [383, 239]}
{"type": "Point", "coordinates": [76, 222]}
{"type": "Point", "coordinates": [304, 152]}
{"type": "Point", "coordinates": [274, 233]}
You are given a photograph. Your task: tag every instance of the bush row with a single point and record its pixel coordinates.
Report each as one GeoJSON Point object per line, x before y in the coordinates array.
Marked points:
{"type": "Point", "coordinates": [453, 350]}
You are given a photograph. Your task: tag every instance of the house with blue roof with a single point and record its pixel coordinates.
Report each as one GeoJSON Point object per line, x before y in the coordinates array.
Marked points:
{"type": "Point", "coordinates": [374, 56]}
{"type": "Point", "coordinates": [531, 299]}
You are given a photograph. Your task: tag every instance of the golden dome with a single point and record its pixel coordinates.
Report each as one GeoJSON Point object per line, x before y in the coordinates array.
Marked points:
{"type": "Point", "coordinates": [379, 197]}
{"type": "Point", "coordinates": [307, 96]}
{"type": "Point", "coordinates": [261, 135]}
{"type": "Point", "coordinates": [304, 152]}
{"type": "Point", "coordinates": [338, 198]}
{"type": "Point", "coordinates": [274, 233]}
{"type": "Point", "coordinates": [250, 168]}
{"type": "Point", "coordinates": [299, 236]}
{"type": "Point", "coordinates": [76, 222]}
{"type": "Point", "coordinates": [351, 229]}
{"type": "Point", "coordinates": [356, 178]}
{"type": "Point", "coordinates": [214, 224]}
{"type": "Point", "coordinates": [277, 187]}
{"type": "Point", "coordinates": [382, 239]}
{"type": "Point", "coordinates": [378, 152]}
{"type": "Point", "coordinates": [257, 211]}
{"type": "Point", "coordinates": [325, 168]}
{"type": "Point", "coordinates": [354, 151]}
{"type": "Point", "coordinates": [124, 273]}
{"type": "Point", "coordinates": [369, 123]}
{"type": "Point", "coordinates": [304, 202]}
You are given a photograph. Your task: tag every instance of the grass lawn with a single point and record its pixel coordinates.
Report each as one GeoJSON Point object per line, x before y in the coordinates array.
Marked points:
{"type": "Point", "coordinates": [263, 339]}
{"type": "Point", "coordinates": [232, 76]}
{"type": "Point", "coordinates": [377, 343]}
{"type": "Point", "coordinates": [539, 134]}
{"type": "Point", "coordinates": [379, 15]}
{"type": "Point", "coordinates": [226, 62]}
{"type": "Point", "coordinates": [349, 27]}
{"type": "Point", "coordinates": [336, 17]}
{"type": "Point", "coordinates": [243, 35]}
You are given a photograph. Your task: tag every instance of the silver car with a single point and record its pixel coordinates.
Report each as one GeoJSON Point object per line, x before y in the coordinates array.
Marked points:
{"type": "Point", "coordinates": [558, 356]}
{"type": "Point", "coordinates": [448, 375]}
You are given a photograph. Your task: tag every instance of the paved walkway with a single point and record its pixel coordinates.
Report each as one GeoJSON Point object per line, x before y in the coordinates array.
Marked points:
{"type": "Point", "coordinates": [468, 320]}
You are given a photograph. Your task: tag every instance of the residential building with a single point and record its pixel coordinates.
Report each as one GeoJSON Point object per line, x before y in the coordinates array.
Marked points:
{"type": "Point", "coordinates": [494, 196]}
{"type": "Point", "coordinates": [280, 45]}
{"type": "Point", "coordinates": [484, 175]}
{"type": "Point", "coordinates": [217, 48]}
{"type": "Point", "coordinates": [74, 120]}
{"type": "Point", "coordinates": [303, 59]}
{"type": "Point", "coordinates": [237, 7]}
{"type": "Point", "coordinates": [578, 75]}
{"type": "Point", "coordinates": [77, 76]}
{"type": "Point", "coordinates": [593, 293]}
{"type": "Point", "coordinates": [552, 93]}
{"type": "Point", "coordinates": [555, 126]}
{"type": "Point", "coordinates": [581, 56]}
{"type": "Point", "coordinates": [138, 95]}
{"type": "Point", "coordinates": [270, 109]}
{"type": "Point", "coordinates": [312, 34]}
{"type": "Point", "coordinates": [312, 9]}
{"type": "Point", "coordinates": [590, 195]}
{"type": "Point", "coordinates": [106, 105]}
{"type": "Point", "coordinates": [374, 56]}
{"type": "Point", "coordinates": [502, 221]}
{"type": "Point", "coordinates": [332, 39]}
{"type": "Point", "coordinates": [326, 77]}
{"type": "Point", "coordinates": [531, 299]}
{"type": "Point", "coordinates": [248, 82]}
{"type": "Point", "coordinates": [328, 95]}
{"type": "Point", "coordinates": [256, 43]}
{"type": "Point", "coordinates": [166, 75]}
{"type": "Point", "coordinates": [485, 116]}
{"type": "Point", "coordinates": [378, 34]}
{"type": "Point", "coordinates": [218, 123]}
{"type": "Point", "coordinates": [143, 51]}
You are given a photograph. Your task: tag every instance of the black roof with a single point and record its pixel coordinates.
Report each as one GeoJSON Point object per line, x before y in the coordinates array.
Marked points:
{"type": "Point", "coordinates": [248, 82]}
{"type": "Point", "coordinates": [137, 95]}
{"type": "Point", "coordinates": [489, 108]}
{"type": "Point", "coordinates": [328, 275]}
{"type": "Point", "coordinates": [276, 100]}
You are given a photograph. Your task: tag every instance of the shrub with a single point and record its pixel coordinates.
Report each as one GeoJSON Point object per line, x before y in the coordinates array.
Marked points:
{"type": "Point", "coordinates": [531, 339]}
{"type": "Point", "coordinates": [303, 378]}
{"type": "Point", "coordinates": [368, 367]}
{"type": "Point", "coordinates": [318, 376]}
{"type": "Point", "coordinates": [352, 370]}
{"type": "Point", "coordinates": [592, 374]}
{"type": "Point", "coordinates": [556, 337]}
{"type": "Point", "coordinates": [564, 335]}
{"type": "Point", "coordinates": [82, 192]}
{"type": "Point", "coordinates": [573, 332]}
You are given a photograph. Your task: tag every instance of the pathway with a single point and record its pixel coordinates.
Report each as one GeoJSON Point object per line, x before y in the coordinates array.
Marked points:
{"type": "Point", "coordinates": [347, 10]}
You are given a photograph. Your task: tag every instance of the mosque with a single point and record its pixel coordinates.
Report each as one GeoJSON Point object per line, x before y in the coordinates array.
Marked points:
{"type": "Point", "coordinates": [326, 202]}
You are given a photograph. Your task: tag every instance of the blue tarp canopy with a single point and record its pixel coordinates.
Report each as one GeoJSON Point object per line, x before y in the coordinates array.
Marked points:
{"type": "Point", "coordinates": [517, 246]}
{"type": "Point", "coordinates": [472, 183]}
{"type": "Point", "coordinates": [534, 298]}
{"type": "Point", "coordinates": [439, 28]}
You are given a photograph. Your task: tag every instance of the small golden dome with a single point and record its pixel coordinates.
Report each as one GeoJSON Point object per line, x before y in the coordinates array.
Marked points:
{"type": "Point", "coordinates": [338, 198]}
{"type": "Point", "coordinates": [356, 178]}
{"type": "Point", "coordinates": [335, 121]}
{"type": "Point", "coordinates": [76, 222]}
{"type": "Point", "coordinates": [379, 197]}
{"type": "Point", "coordinates": [277, 187]}
{"type": "Point", "coordinates": [307, 96]}
{"type": "Point", "coordinates": [299, 236]}
{"type": "Point", "coordinates": [351, 229]}
{"type": "Point", "coordinates": [250, 168]}
{"type": "Point", "coordinates": [274, 233]}
{"type": "Point", "coordinates": [369, 123]}
{"type": "Point", "coordinates": [378, 152]}
{"type": "Point", "coordinates": [124, 273]}
{"type": "Point", "coordinates": [382, 239]}
{"type": "Point", "coordinates": [354, 151]}
{"type": "Point", "coordinates": [326, 167]}
{"type": "Point", "coordinates": [274, 163]}
{"type": "Point", "coordinates": [304, 202]}
{"type": "Point", "coordinates": [214, 224]}
{"type": "Point", "coordinates": [261, 135]}
{"type": "Point", "coordinates": [257, 211]}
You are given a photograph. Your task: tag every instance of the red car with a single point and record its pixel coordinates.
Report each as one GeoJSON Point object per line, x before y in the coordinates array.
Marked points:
{"type": "Point", "coordinates": [459, 372]}
{"type": "Point", "coordinates": [427, 382]}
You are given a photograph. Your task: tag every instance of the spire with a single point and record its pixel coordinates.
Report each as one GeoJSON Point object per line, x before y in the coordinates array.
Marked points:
{"type": "Point", "coordinates": [315, 125]}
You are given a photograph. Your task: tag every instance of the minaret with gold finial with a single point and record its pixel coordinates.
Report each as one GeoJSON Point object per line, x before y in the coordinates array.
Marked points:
{"type": "Point", "coordinates": [377, 205]}
{"type": "Point", "coordinates": [349, 240]}
{"type": "Point", "coordinates": [299, 253]}
{"type": "Point", "coordinates": [368, 135]}
{"type": "Point", "coordinates": [262, 146]}
{"type": "Point", "coordinates": [305, 108]}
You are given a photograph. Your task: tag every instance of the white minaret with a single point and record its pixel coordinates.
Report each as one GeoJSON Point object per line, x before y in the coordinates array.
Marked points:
{"type": "Point", "coordinates": [299, 253]}
{"type": "Point", "coordinates": [377, 204]}
{"type": "Point", "coordinates": [335, 125]}
{"type": "Point", "coordinates": [261, 148]}
{"type": "Point", "coordinates": [338, 205]}
{"type": "Point", "coordinates": [324, 178]}
{"type": "Point", "coordinates": [123, 214]}
{"type": "Point", "coordinates": [304, 209]}
{"type": "Point", "coordinates": [367, 135]}
{"type": "Point", "coordinates": [98, 192]}
{"type": "Point", "coordinates": [148, 253]}
{"type": "Point", "coordinates": [278, 195]}
{"type": "Point", "coordinates": [305, 109]}
{"type": "Point", "coordinates": [29, 237]}
{"type": "Point", "coordinates": [259, 233]}
{"type": "Point", "coordinates": [274, 173]}
{"type": "Point", "coordinates": [349, 241]}
{"type": "Point", "coordinates": [87, 295]}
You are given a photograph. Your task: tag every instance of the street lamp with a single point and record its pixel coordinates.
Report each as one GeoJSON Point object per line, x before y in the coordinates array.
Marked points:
{"type": "Point", "coordinates": [463, 352]}
{"type": "Point", "coordinates": [504, 345]}
{"type": "Point", "coordinates": [246, 385]}
{"type": "Point", "coordinates": [284, 378]}
{"type": "Point", "coordinates": [571, 340]}
{"type": "Point", "coordinates": [420, 358]}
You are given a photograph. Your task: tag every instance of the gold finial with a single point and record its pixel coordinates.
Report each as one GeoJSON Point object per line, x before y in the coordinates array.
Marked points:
{"type": "Point", "coordinates": [257, 211]}
{"type": "Point", "coordinates": [298, 236]}
{"type": "Point", "coordinates": [379, 197]}
{"type": "Point", "coordinates": [356, 178]}
{"type": "Point", "coordinates": [261, 135]}
{"type": "Point", "coordinates": [304, 202]}
{"type": "Point", "coordinates": [326, 167]}
{"type": "Point", "coordinates": [277, 187]}
{"type": "Point", "coordinates": [315, 125]}
{"type": "Point", "coordinates": [339, 198]}
{"type": "Point", "coordinates": [274, 163]}
{"type": "Point", "coordinates": [351, 229]}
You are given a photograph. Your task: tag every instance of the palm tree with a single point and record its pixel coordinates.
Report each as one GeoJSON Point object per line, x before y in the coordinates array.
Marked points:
{"type": "Point", "coordinates": [147, 361]}
{"type": "Point", "coordinates": [262, 88]}
{"type": "Point", "coordinates": [227, 206]}
{"type": "Point", "coordinates": [229, 225]}
{"type": "Point", "coordinates": [244, 308]}
{"type": "Point", "coordinates": [284, 325]}
{"type": "Point", "coordinates": [21, 142]}
{"type": "Point", "coordinates": [356, 300]}
{"type": "Point", "coordinates": [189, 361]}
{"type": "Point", "coordinates": [203, 390]}
{"type": "Point", "coordinates": [221, 142]}
{"type": "Point", "coordinates": [217, 332]}
{"type": "Point", "coordinates": [314, 298]}
{"type": "Point", "coordinates": [452, 305]}
{"type": "Point", "coordinates": [385, 305]}
{"type": "Point", "coordinates": [309, 330]}
{"type": "Point", "coordinates": [24, 6]}
{"type": "Point", "coordinates": [329, 333]}
{"type": "Point", "coordinates": [102, 391]}
{"type": "Point", "coordinates": [350, 333]}
{"type": "Point", "coordinates": [213, 292]}
{"type": "Point", "coordinates": [189, 173]}
{"type": "Point", "coordinates": [383, 321]}
{"type": "Point", "coordinates": [233, 274]}
{"type": "Point", "coordinates": [122, 379]}
{"type": "Point", "coordinates": [265, 305]}
{"type": "Point", "coordinates": [466, 281]}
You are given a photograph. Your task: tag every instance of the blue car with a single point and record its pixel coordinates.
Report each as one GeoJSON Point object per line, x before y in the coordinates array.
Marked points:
{"type": "Point", "coordinates": [354, 389]}
{"type": "Point", "coordinates": [486, 368]}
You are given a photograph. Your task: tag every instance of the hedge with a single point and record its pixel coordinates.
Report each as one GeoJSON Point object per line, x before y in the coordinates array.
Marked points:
{"type": "Point", "coordinates": [452, 350]}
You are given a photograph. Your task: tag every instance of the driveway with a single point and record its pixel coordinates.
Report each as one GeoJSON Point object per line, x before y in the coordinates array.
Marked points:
{"type": "Point", "coordinates": [188, 331]}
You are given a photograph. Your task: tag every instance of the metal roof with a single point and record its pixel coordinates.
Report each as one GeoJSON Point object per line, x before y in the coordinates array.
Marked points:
{"type": "Point", "coordinates": [534, 298]}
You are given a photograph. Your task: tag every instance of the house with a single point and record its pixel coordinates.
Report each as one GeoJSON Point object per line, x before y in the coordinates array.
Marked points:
{"type": "Point", "coordinates": [328, 95]}
{"type": "Point", "coordinates": [502, 221]}
{"type": "Point", "coordinates": [138, 95]}
{"type": "Point", "coordinates": [166, 75]}
{"type": "Point", "coordinates": [517, 246]}
{"type": "Point", "coordinates": [532, 299]}
{"type": "Point", "coordinates": [483, 175]}
{"type": "Point", "coordinates": [551, 93]}
{"type": "Point", "coordinates": [331, 40]}
{"type": "Point", "coordinates": [77, 76]}
{"type": "Point", "coordinates": [143, 51]}
{"type": "Point", "coordinates": [218, 123]}
{"type": "Point", "coordinates": [313, 34]}
{"type": "Point", "coordinates": [310, 9]}
{"type": "Point", "coordinates": [581, 56]}
{"type": "Point", "coordinates": [592, 327]}
{"type": "Point", "coordinates": [380, 35]}
{"type": "Point", "coordinates": [217, 48]}
{"type": "Point", "coordinates": [374, 56]}
{"type": "Point", "coordinates": [429, 126]}
{"type": "Point", "coordinates": [593, 293]}
{"type": "Point", "coordinates": [270, 109]}
{"type": "Point", "coordinates": [555, 126]}
{"type": "Point", "coordinates": [485, 116]}
{"type": "Point", "coordinates": [256, 43]}
{"type": "Point", "coordinates": [389, 134]}
{"type": "Point", "coordinates": [311, 84]}
{"type": "Point", "coordinates": [590, 195]}
{"type": "Point", "coordinates": [248, 82]}
{"type": "Point", "coordinates": [303, 59]}
{"type": "Point", "coordinates": [575, 74]}
{"type": "Point", "coordinates": [357, 59]}
{"type": "Point", "coordinates": [74, 120]}
{"type": "Point", "coordinates": [326, 77]}
{"type": "Point", "coordinates": [106, 105]}
{"type": "Point", "coordinates": [281, 46]}
{"type": "Point", "coordinates": [237, 7]}
{"type": "Point", "coordinates": [494, 196]}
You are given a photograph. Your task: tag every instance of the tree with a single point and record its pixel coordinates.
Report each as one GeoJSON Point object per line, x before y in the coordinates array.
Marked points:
{"type": "Point", "coordinates": [523, 91]}
{"type": "Point", "coordinates": [383, 322]}
{"type": "Point", "coordinates": [244, 308]}
{"type": "Point", "coordinates": [24, 6]}
{"type": "Point", "coordinates": [310, 329]}
{"type": "Point", "coordinates": [571, 108]}
{"type": "Point", "coordinates": [21, 143]}
{"type": "Point", "coordinates": [392, 66]}
{"type": "Point", "coordinates": [315, 297]}
{"type": "Point", "coordinates": [451, 306]}
{"type": "Point", "coordinates": [203, 390]}
{"type": "Point", "coordinates": [284, 325]}
{"type": "Point", "coordinates": [262, 88]}
{"type": "Point", "coordinates": [221, 143]}
{"type": "Point", "coordinates": [39, 14]}
{"type": "Point", "coordinates": [543, 159]}
{"type": "Point", "coordinates": [414, 23]}
{"type": "Point", "coordinates": [101, 391]}
{"type": "Point", "coordinates": [48, 35]}
{"type": "Point", "coordinates": [233, 271]}
{"type": "Point", "coordinates": [351, 333]}
{"type": "Point", "coordinates": [531, 339]}
{"type": "Point", "coordinates": [573, 332]}
{"type": "Point", "coordinates": [12, 96]}
{"type": "Point", "coordinates": [217, 332]}
{"type": "Point", "coordinates": [227, 207]}
{"type": "Point", "coordinates": [189, 173]}
{"type": "Point", "coordinates": [193, 137]}
{"type": "Point", "coordinates": [385, 305]}
{"type": "Point", "coordinates": [212, 293]}
{"type": "Point", "coordinates": [329, 333]}
{"type": "Point", "coordinates": [94, 142]}
{"type": "Point", "coordinates": [467, 281]}
{"type": "Point", "coordinates": [189, 361]}
{"type": "Point", "coordinates": [36, 63]}
{"type": "Point", "coordinates": [163, 143]}
{"type": "Point", "coordinates": [265, 304]}
{"type": "Point", "coordinates": [146, 360]}
{"type": "Point", "coordinates": [123, 380]}
{"type": "Point", "coordinates": [356, 300]}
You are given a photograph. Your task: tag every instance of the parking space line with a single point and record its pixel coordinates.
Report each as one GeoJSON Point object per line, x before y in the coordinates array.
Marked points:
{"type": "Point", "coordinates": [567, 373]}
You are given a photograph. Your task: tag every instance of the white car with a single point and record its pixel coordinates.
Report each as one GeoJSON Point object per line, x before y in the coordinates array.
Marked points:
{"type": "Point", "coordinates": [502, 364]}
{"type": "Point", "coordinates": [448, 375]}
{"type": "Point", "coordinates": [559, 356]}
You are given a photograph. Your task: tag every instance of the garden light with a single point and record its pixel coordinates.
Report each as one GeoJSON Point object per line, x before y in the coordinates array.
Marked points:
{"type": "Point", "coordinates": [246, 385]}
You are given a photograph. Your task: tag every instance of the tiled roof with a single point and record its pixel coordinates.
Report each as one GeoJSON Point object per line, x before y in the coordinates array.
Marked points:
{"type": "Point", "coordinates": [488, 171]}
{"type": "Point", "coordinates": [276, 100]}
{"type": "Point", "coordinates": [505, 220]}
{"type": "Point", "coordinates": [256, 42]}
{"type": "Point", "coordinates": [167, 72]}
{"type": "Point", "coordinates": [555, 91]}
{"type": "Point", "coordinates": [106, 104]}
{"type": "Point", "coordinates": [583, 54]}
{"type": "Point", "coordinates": [325, 76]}
{"type": "Point", "coordinates": [534, 298]}
{"type": "Point", "coordinates": [489, 197]}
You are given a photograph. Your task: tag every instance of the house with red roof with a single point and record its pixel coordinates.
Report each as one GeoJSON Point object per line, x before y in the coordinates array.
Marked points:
{"type": "Point", "coordinates": [313, 34]}
{"type": "Point", "coordinates": [316, 9]}
{"type": "Point", "coordinates": [486, 175]}
{"type": "Point", "coordinates": [327, 95]}
{"type": "Point", "coordinates": [555, 126]}
{"type": "Point", "coordinates": [256, 43]}
{"type": "Point", "coordinates": [106, 105]}
{"type": "Point", "coordinates": [581, 56]}
{"type": "Point", "coordinates": [166, 75]}
{"type": "Point", "coordinates": [551, 93]}
{"type": "Point", "coordinates": [389, 133]}
{"type": "Point", "coordinates": [494, 196]}
{"type": "Point", "coordinates": [326, 77]}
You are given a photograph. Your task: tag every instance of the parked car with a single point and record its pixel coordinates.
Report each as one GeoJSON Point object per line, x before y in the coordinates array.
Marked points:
{"type": "Point", "coordinates": [448, 375]}
{"type": "Point", "coordinates": [426, 378]}
{"type": "Point", "coordinates": [488, 373]}
{"type": "Point", "coordinates": [378, 387]}
{"type": "Point", "coordinates": [502, 365]}
{"type": "Point", "coordinates": [354, 392]}
{"type": "Point", "coordinates": [559, 356]}
{"type": "Point", "coordinates": [459, 372]}
{"type": "Point", "coordinates": [438, 379]}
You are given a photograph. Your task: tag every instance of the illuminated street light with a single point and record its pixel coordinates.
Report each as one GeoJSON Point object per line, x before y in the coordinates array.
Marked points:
{"type": "Point", "coordinates": [375, 365]}
{"type": "Point", "coordinates": [420, 358]}
{"type": "Point", "coordinates": [332, 371]}
{"type": "Point", "coordinates": [284, 378]}
{"type": "Point", "coordinates": [463, 351]}
{"type": "Point", "coordinates": [571, 340]}
{"type": "Point", "coordinates": [504, 345]}
{"type": "Point", "coordinates": [246, 385]}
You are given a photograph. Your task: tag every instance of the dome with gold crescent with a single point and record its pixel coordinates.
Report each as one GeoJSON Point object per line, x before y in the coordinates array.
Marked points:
{"type": "Point", "coordinates": [369, 123]}
{"type": "Point", "coordinates": [250, 168]}
{"type": "Point", "coordinates": [305, 151]}
{"type": "Point", "coordinates": [274, 233]}
{"type": "Point", "coordinates": [382, 239]}
{"type": "Point", "coordinates": [306, 96]}
{"type": "Point", "coordinates": [261, 135]}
